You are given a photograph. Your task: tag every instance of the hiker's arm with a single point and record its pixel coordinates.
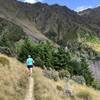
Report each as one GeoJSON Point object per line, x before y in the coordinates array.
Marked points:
{"type": "Point", "coordinates": [33, 61]}
{"type": "Point", "coordinates": [26, 62]}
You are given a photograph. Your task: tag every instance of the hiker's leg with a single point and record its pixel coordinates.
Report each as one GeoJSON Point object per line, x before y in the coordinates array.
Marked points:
{"type": "Point", "coordinates": [27, 70]}
{"type": "Point", "coordinates": [31, 70]}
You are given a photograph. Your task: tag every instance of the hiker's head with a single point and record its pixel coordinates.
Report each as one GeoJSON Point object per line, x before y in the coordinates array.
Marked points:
{"type": "Point", "coordinates": [29, 56]}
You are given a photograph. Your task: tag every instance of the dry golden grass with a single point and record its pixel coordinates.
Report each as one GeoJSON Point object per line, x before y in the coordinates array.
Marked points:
{"type": "Point", "coordinates": [84, 90]}
{"type": "Point", "coordinates": [94, 46]}
{"type": "Point", "coordinates": [13, 79]}
{"type": "Point", "coordinates": [46, 89]}
{"type": "Point", "coordinates": [4, 61]}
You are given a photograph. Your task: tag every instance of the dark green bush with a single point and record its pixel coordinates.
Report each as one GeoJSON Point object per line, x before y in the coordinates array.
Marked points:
{"type": "Point", "coordinates": [45, 54]}
{"type": "Point", "coordinates": [96, 85]}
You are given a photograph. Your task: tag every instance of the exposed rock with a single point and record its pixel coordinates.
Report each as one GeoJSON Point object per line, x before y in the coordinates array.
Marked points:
{"type": "Point", "coordinates": [51, 74]}
{"type": "Point", "coordinates": [68, 89]}
{"type": "Point", "coordinates": [7, 51]}
{"type": "Point", "coordinates": [79, 79]}
{"type": "Point", "coordinates": [95, 68]}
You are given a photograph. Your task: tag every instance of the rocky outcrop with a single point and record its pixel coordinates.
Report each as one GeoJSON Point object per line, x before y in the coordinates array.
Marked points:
{"type": "Point", "coordinates": [95, 67]}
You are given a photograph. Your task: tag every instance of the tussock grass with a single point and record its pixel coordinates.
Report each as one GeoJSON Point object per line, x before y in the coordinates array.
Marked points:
{"type": "Point", "coordinates": [84, 95]}
{"type": "Point", "coordinates": [83, 92]}
{"type": "Point", "coordinates": [46, 89]}
{"type": "Point", "coordinates": [13, 79]}
{"type": "Point", "coordinates": [94, 46]}
{"type": "Point", "coordinates": [4, 61]}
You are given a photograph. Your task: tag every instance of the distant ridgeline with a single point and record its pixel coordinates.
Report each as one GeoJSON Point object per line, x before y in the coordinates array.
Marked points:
{"type": "Point", "coordinates": [58, 23]}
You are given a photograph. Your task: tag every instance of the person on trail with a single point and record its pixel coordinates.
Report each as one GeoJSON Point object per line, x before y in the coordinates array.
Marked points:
{"type": "Point", "coordinates": [30, 63]}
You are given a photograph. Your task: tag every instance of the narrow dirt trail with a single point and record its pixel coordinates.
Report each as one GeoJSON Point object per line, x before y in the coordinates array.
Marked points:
{"type": "Point", "coordinates": [29, 94]}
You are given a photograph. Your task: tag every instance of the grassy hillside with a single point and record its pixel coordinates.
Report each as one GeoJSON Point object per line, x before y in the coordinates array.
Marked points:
{"type": "Point", "coordinates": [13, 80]}
{"type": "Point", "coordinates": [93, 43]}
{"type": "Point", "coordinates": [46, 89]}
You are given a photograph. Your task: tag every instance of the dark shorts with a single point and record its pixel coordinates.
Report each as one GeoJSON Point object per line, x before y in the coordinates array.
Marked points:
{"type": "Point", "coordinates": [29, 66]}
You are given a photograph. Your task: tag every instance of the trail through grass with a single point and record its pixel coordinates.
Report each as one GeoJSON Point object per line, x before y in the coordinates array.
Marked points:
{"type": "Point", "coordinates": [30, 91]}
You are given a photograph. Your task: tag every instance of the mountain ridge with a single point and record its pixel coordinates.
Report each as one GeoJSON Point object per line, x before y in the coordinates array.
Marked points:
{"type": "Point", "coordinates": [42, 21]}
{"type": "Point", "coordinates": [27, 26]}
{"type": "Point", "coordinates": [92, 15]}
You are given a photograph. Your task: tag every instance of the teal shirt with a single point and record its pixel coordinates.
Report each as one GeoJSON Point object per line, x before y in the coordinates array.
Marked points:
{"type": "Point", "coordinates": [29, 61]}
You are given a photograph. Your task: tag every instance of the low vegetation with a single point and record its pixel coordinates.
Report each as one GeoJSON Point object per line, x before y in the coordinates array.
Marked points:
{"type": "Point", "coordinates": [93, 43]}
{"type": "Point", "coordinates": [13, 79]}
{"type": "Point", "coordinates": [46, 55]}
{"type": "Point", "coordinates": [14, 82]}
{"type": "Point", "coordinates": [10, 34]}
{"type": "Point", "coordinates": [47, 89]}
{"type": "Point", "coordinates": [85, 95]}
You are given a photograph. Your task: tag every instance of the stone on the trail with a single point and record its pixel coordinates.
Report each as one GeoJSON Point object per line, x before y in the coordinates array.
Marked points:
{"type": "Point", "coordinates": [68, 90]}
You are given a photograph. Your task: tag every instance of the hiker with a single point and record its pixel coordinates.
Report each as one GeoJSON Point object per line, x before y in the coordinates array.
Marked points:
{"type": "Point", "coordinates": [29, 63]}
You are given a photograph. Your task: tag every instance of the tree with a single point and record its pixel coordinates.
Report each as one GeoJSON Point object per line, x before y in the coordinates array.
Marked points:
{"type": "Point", "coordinates": [26, 50]}
{"type": "Point", "coordinates": [44, 52]}
{"type": "Point", "coordinates": [61, 59]}
{"type": "Point", "coordinates": [85, 71]}
{"type": "Point", "coordinates": [41, 53]}
{"type": "Point", "coordinates": [46, 55]}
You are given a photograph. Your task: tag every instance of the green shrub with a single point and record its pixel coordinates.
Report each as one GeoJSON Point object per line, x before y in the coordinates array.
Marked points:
{"type": "Point", "coordinates": [64, 73]}
{"type": "Point", "coordinates": [61, 59]}
{"type": "Point", "coordinates": [86, 73]}
{"type": "Point", "coordinates": [26, 49]}
{"type": "Point", "coordinates": [38, 62]}
{"type": "Point", "coordinates": [96, 85]}
{"type": "Point", "coordinates": [46, 55]}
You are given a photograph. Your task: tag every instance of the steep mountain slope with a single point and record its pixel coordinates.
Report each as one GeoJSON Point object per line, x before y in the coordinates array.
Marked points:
{"type": "Point", "coordinates": [58, 23]}
{"type": "Point", "coordinates": [93, 15]}
{"type": "Point", "coordinates": [13, 79]}
{"type": "Point", "coordinates": [48, 89]}
{"type": "Point", "coordinates": [9, 10]}
{"type": "Point", "coordinates": [14, 84]}
{"type": "Point", "coordinates": [39, 21]}
{"type": "Point", "coordinates": [10, 33]}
